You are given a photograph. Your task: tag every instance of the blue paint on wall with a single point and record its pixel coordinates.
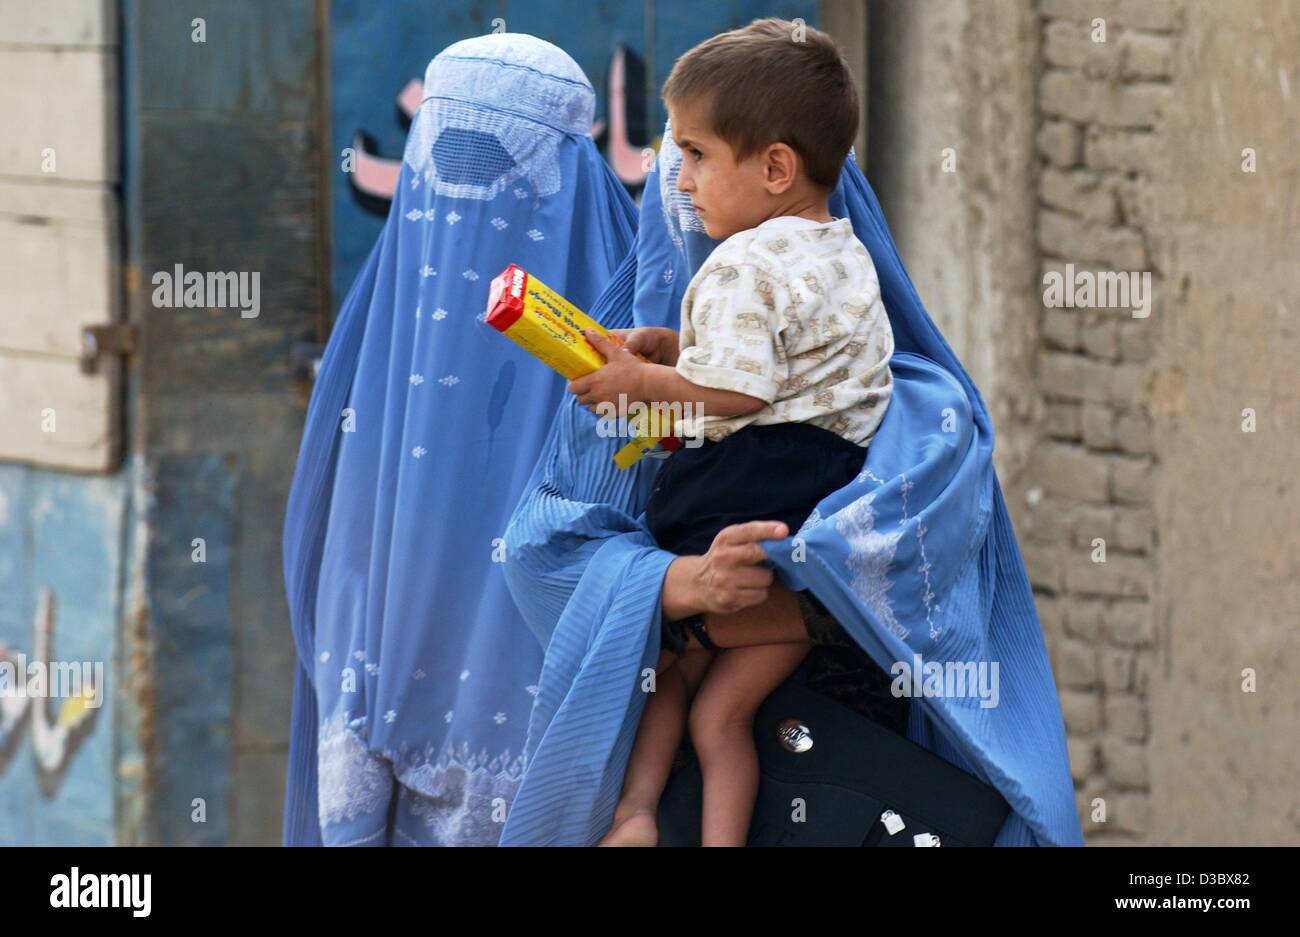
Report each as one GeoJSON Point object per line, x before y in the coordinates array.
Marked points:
{"type": "Point", "coordinates": [376, 48]}
{"type": "Point", "coordinates": [62, 532]}
{"type": "Point", "coordinates": [189, 615]}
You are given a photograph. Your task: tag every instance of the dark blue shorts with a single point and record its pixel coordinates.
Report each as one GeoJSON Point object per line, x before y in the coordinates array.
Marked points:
{"type": "Point", "coordinates": [777, 472]}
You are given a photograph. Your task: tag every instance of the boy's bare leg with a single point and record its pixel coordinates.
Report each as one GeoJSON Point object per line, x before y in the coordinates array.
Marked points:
{"type": "Point", "coordinates": [662, 721]}
{"type": "Point", "coordinates": [722, 731]}
{"type": "Point", "coordinates": [774, 621]}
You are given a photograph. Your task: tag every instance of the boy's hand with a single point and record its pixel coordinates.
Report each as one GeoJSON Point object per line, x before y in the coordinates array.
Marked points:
{"type": "Point", "coordinates": [621, 374]}
{"type": "Point", "coordinates": [658, 344]}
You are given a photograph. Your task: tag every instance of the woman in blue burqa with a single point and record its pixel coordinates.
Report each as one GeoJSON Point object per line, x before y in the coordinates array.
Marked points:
{"type": "Point", "coordinates": [416, 671]}
{"type": "Point", "coordinates": [914, 561]}
{"type": "Point", "coordinates": [917, 556]}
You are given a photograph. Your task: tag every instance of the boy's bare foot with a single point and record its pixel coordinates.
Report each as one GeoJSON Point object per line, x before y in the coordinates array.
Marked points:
{"type": "Point", "coordinates": [636, 829]}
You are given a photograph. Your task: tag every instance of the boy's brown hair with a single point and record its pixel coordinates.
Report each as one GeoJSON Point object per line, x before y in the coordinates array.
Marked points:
{"type": "Point", "coordinates": [773, 81]}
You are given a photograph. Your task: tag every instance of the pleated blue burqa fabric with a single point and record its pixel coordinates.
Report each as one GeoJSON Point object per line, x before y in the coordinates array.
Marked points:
{"type": "Point", "coordinates": [416, 672]}
{"type": "Point", "coordinates": [916, 558]}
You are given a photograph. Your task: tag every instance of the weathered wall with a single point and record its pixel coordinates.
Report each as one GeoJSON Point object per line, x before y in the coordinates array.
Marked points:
{"type": "Point", "coordinates": [218, 149]}
{"type": "Point", "coordinates": [1091, 534]}
{"type": "Point", "coordinates": [950, 147]}
{"type": "Point", "coordinates": [1225, 763]}
{"type": "Point", "coordinates": [222, 142]}
{"type": "Point", "coordinates": [1132, 440]}
{"type": "Point", "coordinates": [61, 532]}
{"type": "Point", "coordinates": [59, 230]}
{"type": "Point", "coordinates": [1142, 136]}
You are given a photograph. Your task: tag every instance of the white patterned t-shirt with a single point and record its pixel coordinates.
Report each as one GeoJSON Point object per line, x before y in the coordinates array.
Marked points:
{"type": "Point", "coordinates": [790, 312]}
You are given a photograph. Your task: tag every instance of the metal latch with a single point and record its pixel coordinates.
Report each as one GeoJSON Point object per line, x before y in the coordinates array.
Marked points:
{"type": "Point", "coordinates": [118, 338]}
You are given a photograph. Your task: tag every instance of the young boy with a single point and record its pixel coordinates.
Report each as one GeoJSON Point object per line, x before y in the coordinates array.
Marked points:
{"type": "Point", "coordinates": [784, 346]}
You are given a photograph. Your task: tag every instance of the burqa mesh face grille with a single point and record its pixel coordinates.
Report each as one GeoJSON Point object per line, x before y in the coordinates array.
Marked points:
{"type": "Point", "coordinates": [487, 121]}
{"type": "Point", "coordinates": [469, 157]}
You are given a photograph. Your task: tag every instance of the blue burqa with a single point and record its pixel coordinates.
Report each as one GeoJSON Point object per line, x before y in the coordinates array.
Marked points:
{"type": "Point", "coordinates": [416, 671]}
{"type": "Point", "coordinates": [917, 556]}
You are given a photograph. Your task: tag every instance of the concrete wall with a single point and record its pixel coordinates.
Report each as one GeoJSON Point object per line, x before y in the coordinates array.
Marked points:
{"type": "Point", "coordinates": [1108, 135]}
{"type": "Point", "coordinates": [1225, 762]}
{"type": "Point", "coordinates": [950, 147]}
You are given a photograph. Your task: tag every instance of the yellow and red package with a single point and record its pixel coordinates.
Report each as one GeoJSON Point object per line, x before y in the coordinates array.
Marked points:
{"type": "Point", "coordinates": [549, 327]}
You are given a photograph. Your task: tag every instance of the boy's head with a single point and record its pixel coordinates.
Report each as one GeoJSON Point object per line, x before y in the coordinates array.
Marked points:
{"type": "Point", "coordinates": [765, 116]}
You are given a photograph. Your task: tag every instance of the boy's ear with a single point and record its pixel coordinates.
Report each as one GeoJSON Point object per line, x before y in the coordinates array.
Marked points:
{"type": "Point", "coordinates": [780, 168]}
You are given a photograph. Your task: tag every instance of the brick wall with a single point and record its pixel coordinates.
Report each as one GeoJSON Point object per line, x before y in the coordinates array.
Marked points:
{"type": "Point", "coordinates": [1090, 483]}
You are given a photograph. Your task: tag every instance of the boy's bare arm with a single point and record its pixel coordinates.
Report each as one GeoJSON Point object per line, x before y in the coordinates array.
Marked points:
{"type": "Point", "coordinates": [661, 383]}
{"type": "Point", "coordinates": [636, 379]}
{"type": "Point", "coordinates": [662, 346]}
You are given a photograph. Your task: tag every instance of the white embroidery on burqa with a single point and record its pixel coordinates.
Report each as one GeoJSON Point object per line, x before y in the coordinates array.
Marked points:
{"type": "Point", "coordinates": [352, 780]}
{"type": "Point", "coordinates": [924, 568]}
{"type": "Point", "coordinates": [870, 555]}
{"type": "Point", "coordinates": [867, 473]}
{"type": "Point", "coordinates": [453, 795]}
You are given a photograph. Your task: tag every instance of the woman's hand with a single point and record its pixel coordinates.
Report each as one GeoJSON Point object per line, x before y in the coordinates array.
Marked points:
{"type": "Point", "coordinates": [659, 345]}
{"type": "Point", "coordinates": [727, 578]}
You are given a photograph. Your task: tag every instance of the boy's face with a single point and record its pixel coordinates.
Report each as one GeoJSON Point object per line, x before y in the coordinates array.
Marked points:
{"type": "Point", "coordinates": [728, 196]}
